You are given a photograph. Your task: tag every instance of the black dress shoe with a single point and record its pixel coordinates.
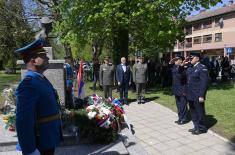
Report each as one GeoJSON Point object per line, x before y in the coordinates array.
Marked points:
{"type": "Point", "coordinates": [191, 130]}
{"type": "Point", "coordinates": [198, 132]}
{"type": "Point", "coordinates": [182, 122]}
{"type": "Point", "coordinates": [177, 122]}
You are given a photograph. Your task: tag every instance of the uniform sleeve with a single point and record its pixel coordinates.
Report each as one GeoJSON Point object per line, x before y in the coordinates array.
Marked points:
{"type": "Point", "coordinates": [204, 81]}
{"type": "Point", "coordinates": [130, 74]}
{"type": "Point", "coordinates": [101, 75]}
{"type": "Point", "coordinates": [134, 73]}
{"type": "Point", "coordinates": [114, 74]}
{"type": "Point", "coordinates": [26, 100]}
{"type": "Point", "coordinates": [147, 73]}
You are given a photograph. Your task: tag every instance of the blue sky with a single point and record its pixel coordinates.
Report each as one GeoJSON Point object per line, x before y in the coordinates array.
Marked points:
{"type": "Point", "coordinates": [213, 8]}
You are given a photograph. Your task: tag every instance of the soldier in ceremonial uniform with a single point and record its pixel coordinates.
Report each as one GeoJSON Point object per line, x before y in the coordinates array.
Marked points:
{"type": "Point", "coordinates": [178, 88]}
{"type": "Point", "coordinates": [196, 87]}
{"type": "Point", "coordinates": [38, 121]}
{"type": "Point", "coordinates": [107, 76]}
{"type": "Point", "coordinates": [140, 78]}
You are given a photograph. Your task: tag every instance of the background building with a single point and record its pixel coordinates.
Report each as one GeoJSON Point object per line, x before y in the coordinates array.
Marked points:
{"type": "Point", "coordinates": [210, 33]}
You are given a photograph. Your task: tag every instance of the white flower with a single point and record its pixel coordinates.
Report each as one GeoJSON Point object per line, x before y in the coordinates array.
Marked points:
{"type": "Point", "coordinates": [91, 114]}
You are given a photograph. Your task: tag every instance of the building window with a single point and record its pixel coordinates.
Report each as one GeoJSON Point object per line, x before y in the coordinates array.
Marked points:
{"type": "Point", "coordinates": [219, 22]}
{"type": "Point", "coordinates": [188, 43]}
{"type": "Point", "coordinates": [218, 37]}
{"type": "Point", "coordinates": [207, 38]}
{"type": "Point", "coordinates": [188, 30]}
{"type": "Point", "coordinates": [207, 24]}
{"type": "Point", "coordinates": [197, 40]}
{"type": "Point", "coordinates": [197, 27]}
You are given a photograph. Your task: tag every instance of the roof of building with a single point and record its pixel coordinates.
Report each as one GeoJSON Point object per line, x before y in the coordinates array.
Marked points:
{"type": "Point", "coordinates": [208, 14]}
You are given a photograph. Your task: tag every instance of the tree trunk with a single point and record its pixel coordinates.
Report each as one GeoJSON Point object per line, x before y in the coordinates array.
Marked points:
{"type": "Point", "coordinates": [120, 45]}
{"type": "Point", "coordinates": [68, 54]}
{"type": "Point", "coordinates": [97, 47]}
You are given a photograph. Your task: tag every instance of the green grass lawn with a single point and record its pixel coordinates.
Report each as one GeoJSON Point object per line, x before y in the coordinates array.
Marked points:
{"type": "Point", "coordinates": [220, 105]}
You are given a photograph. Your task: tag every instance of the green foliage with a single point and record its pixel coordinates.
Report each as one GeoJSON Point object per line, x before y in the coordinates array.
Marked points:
{"type": "Point", "coordinates": [84, 53]}
{"type": "Point", "coordinates": [14, 30]}
{"type": "Point", "coordinates": [151, 25]}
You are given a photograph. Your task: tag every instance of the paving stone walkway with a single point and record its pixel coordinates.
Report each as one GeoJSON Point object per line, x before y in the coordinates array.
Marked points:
{"type": "Point", "coordinates": [157, 132]}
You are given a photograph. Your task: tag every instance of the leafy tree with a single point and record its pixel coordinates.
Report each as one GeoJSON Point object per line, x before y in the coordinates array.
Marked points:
{"type": "Point", "coordinates": [14, 30]}
{"type": "Point", "coordinates": [149, 25]}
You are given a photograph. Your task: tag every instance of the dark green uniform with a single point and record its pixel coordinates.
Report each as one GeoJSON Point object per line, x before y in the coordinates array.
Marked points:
{"type": "Point", "coordinates": [140, 78]}
{"type": "Point", "coordinates": [107, 74]}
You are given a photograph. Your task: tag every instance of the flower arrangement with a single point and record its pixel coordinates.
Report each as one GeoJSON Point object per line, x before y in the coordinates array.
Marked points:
{"type": "Point", "coordinates": [9, 108]}
{"type": "Point", "coordinates": [99, 120]}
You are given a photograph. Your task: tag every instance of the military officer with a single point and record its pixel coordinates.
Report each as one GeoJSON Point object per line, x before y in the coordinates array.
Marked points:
{"type": "Point", "coordinates": [178, 88]}
{"type": "Point", "coordinates": [140, 79]}
{"type": "Point", "coordinates": [38, 121]}
{"type": "Point", "coordinates": [196, 87]}
{"type": "Point", "coordinates": [107, 77]}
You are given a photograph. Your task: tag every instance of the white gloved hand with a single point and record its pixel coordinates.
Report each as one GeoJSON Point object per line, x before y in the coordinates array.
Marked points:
{"type": "Point", "coordinates": [35, 152]}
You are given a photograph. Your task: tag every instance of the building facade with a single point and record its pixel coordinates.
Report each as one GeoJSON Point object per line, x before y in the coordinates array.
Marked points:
{"type": "Point", "coordinates": [210, 33]}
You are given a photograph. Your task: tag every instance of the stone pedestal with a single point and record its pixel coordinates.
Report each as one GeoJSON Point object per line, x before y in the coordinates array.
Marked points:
{"type": "Point", "coordinates": [50, 53]}
{"type": "Point", "coordinates": [55, 74]}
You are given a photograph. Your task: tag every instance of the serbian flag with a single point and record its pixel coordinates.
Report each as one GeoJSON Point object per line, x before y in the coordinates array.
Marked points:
{"type": "Point", "coordinates": [81, 84]}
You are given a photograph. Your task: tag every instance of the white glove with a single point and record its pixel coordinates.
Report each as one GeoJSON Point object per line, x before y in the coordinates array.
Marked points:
{"type": "Point", "coordinates": [35, 152]}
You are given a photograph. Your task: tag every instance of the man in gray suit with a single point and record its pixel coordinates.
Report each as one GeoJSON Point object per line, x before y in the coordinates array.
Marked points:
{"type": "Point", "coordinates": [107, 74]}
{"type": "Point", "coordinates": [140, 79]}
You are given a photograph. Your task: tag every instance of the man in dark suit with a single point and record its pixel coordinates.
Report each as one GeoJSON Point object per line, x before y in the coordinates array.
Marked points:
{"type": "Point", "coordinates": [214, 70]}
{"type": "Point", "coordinates": [197, 81]}
{"type": "Point", "coordinates": [38, 121]}
{"type": "Point", "coordinates": [107, 77]}
{"type": "Point", "coordinates": [123, 77]}
{"type": "Point", "coordinates": [178, 88]}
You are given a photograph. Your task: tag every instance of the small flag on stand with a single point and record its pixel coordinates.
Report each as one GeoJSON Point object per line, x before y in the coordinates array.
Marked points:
{"type": "Point", "coordinates": [81, 84]}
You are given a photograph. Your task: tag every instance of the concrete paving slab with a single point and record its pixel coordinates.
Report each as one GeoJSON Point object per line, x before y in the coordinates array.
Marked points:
{"type": "Point", "coordinates": [170, 137]}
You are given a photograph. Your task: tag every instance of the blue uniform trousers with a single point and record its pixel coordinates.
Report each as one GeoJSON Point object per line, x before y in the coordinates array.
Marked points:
{"type": "Point", "coordinates": [124, 92]}
{"type": "Point", "coordinates": [181, 104]}
{"type": "Point", "coordinates": [198, 114]}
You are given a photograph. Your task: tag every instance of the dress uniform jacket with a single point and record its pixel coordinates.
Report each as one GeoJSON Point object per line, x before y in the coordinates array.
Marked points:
{"type": "Point", "coordinates": [107, 73]}
{"type": "Point", "coordinates": [178, 80]}
{"type": "Point", "coordinates": [140, 73]}
{"type": "Point", "coordinates": [36, 99]}
{"type": "Point", "coordinates": [197, 81]}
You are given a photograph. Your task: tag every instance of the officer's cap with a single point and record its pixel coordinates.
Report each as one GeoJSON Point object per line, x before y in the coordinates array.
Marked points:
{"type": "Point", "coordinates": [36, 47]}
{"type": "Point", "coordinates": [140, 57]}
{"type": "Point", "coordinates": [195, 55]}
{"type": "Point", "coordinates": [179, 57]}
{"type": "Point", "coordinates": [106, 58]}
